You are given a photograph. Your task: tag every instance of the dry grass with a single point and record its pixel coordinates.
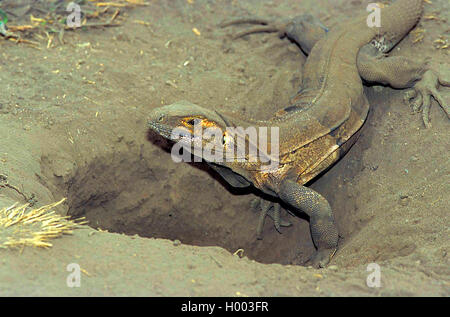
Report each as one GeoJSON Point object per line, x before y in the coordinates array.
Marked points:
{"type": "Point", "coordinates": [46, 21]}
{"type": "Point", "coordinates": [22, 226]}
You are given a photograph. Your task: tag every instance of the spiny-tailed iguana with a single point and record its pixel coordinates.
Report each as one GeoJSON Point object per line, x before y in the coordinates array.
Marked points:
{"type": "Point", "coordinates": [324, 118]}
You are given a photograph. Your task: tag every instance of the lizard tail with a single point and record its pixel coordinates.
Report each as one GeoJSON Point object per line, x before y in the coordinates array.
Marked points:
{"type": "Point", "coordinates": [398, 19]}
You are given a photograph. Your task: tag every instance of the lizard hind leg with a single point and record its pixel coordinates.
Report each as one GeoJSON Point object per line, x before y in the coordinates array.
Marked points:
{"type": "Point", "coordinates": [265, 26]}
{"type": "Point", "coordinates": [305, 29]}
{"type": "Point", "coordinates": [404, 72]}
{"type": "Point", "coordinates": [419, 97]}
{"type": "Point", "coordinates": [271, 209]}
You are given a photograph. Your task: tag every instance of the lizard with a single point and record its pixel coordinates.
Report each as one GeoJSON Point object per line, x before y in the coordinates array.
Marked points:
{"type": "Point", "coordinates": [322, 121]}
{"type": "Point", "coordinates": [306, 30]}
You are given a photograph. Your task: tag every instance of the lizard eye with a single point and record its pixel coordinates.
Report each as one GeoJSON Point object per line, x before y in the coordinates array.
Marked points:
{"type": "Point", "coordinates": [161, 118]}
{"type": "Point", "coordinates": [191, 122]}
{"type": "Point", "coordinates": [225, 139]}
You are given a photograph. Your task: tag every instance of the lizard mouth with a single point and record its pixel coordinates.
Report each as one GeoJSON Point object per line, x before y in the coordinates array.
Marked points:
{"type": "Point", "coordinates": [167, 131]}
{"type": "Point", "coordinates": [162, 129]}
{"type": "Point", "coordinates": [178, 134]}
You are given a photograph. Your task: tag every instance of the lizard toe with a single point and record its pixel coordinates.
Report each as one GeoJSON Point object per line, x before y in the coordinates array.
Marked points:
{"type": "Point", "coordinates": [271, 209]}
{"type": "Point", "coordinates": [321, 258]}
{"type": "Point", "coordinates": [420, 95]}
{"type": "Point", "coordinates": [264, 26]}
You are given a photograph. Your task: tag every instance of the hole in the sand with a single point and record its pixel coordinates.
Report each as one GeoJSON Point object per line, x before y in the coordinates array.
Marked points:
{"type": "Point", "coordinates": [141, 192]}
{"type": "Point", "coordinates": [138, 190]}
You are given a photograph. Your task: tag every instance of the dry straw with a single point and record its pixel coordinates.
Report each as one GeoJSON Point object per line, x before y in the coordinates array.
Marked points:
{"type": "Point", "coordinates": [21, 226]}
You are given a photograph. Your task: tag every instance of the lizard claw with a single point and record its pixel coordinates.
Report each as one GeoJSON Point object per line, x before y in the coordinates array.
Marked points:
{"type": "Point", "coordinates": [265, 26]}
{"type": "Point", "coordinates": [420, 95]}
{"type": "Point", "coordinates": [271, 209]}
{"type": "Point", "coordinates": [321, 258]}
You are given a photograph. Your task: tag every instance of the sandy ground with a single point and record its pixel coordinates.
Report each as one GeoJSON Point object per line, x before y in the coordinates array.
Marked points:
{"type": "Point", "coordinates": [73, 124]}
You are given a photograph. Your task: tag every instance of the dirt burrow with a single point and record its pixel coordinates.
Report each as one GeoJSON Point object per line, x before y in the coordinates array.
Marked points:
{"type": "Point", "coordinates": [133, 188]}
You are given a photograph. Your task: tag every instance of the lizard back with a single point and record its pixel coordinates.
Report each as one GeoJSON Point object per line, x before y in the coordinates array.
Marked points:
{"type": "Point", "coordinates": [332, 107]}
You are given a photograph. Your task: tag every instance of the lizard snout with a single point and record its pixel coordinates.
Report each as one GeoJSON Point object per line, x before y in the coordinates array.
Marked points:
{"type": "Point", "coordinates": [157, 116]}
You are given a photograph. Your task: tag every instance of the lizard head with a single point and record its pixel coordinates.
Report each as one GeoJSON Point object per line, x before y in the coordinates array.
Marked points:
{"type": "Point", "coordinates": [187, 122]}
{"type": "Point", "coordinates": [209, 134]}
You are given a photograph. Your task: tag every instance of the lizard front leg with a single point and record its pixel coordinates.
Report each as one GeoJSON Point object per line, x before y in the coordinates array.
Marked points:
{"type": "Point", "coordinates": [271, 209]}
{"type": "Point", "coordinates": [323, 228]}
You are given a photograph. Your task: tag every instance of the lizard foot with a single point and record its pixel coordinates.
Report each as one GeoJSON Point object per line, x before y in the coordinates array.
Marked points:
{"type": "Point", "coordinates": [321, 258]}
{"type": "Point", "coordinates": [419, 97]}
{"type": "Point", "coordinates": [305, 30]}
{"type": "Point", "coordinates": [265, 26]}
{"type": "Point", "coordinates": [268, 208]}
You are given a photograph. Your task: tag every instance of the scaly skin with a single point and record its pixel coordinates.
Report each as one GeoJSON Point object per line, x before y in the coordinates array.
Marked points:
{"type": "Point", "coordinates": [323, 120]}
